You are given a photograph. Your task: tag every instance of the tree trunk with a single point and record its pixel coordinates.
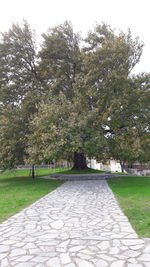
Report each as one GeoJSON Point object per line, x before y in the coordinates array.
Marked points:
{"type": "Point", "coordinates": [122, 163]}
{"type": "Point", "coordinates": [33, 172]}
{"type": "Point", "coordinates": [79, 161]}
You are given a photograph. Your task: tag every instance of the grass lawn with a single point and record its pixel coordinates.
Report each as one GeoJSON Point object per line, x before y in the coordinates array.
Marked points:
{"type": "Point", "coordinates": [88, 171]}
{"type": "Point", "coordinates": [124, 173]}
{"type": "Point", "coordinates": [18, 190]}
{"type": "Point", "coordinates": [133, 194]}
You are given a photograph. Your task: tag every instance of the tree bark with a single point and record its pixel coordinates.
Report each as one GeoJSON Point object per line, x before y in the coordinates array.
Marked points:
{"type": "Point", "coordinates": [79, 161]}
{"type": "Point", "coordinates": [122, 163]}
{"type": "Point", "coordinates": [33, 172]}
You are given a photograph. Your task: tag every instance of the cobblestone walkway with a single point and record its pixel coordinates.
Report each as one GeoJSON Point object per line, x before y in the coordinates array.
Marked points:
{"type": "Point", "coordinates": [78, 224]}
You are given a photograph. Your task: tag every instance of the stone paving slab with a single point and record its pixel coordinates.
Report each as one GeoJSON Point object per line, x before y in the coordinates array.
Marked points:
{"type": "Point", "coordinates": [78, 225]}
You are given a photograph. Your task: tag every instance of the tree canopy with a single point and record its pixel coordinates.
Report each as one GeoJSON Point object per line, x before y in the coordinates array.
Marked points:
{"type": "Point", "coordinates": [73, 96]}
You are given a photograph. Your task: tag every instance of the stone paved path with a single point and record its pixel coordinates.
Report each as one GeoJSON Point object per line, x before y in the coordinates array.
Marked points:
{"type": "Point", "coordinates": [78, 224]}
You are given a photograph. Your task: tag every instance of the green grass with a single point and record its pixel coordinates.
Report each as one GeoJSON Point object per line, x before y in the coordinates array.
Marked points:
{"type": "Point", "coordinates": [88, 171]}
{"type": "Point", "coordinates": [122, 173]}
{"type": "Point", "coordinates": [133, 194]}
{"type": "Point", "coordinates": [18, 190]}
{"type": "Point", "coordinates": [25, 173]}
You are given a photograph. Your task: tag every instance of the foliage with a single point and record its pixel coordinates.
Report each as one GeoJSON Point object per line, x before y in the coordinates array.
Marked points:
{"type": "Point", "coordinates": [60, 59]}
{"type": "Point", "coordinates": [19, 92]}
{"type": "Point", "coordinates": [68, 129]}
{"type": "Point", "coordinates": [18, 74]}
{"type": "Point", "coordinates": [14, 129]}
{"type": "Point", "coordinates": [131, 132]}
{"type": "Point", "coordinates": [74, 96]}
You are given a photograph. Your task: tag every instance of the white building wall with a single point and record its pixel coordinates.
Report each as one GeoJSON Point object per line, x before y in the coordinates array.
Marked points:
{"type": "Point", "coordinates": [94, 164]}
{"type": "Point", "coordinates": [115, 166]}
{"type": "Point", "coordinates": [112, 165]}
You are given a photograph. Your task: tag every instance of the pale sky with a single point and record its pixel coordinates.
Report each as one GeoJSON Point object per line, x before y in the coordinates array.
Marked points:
{"type": "Point", "coordinates": [122, 14]}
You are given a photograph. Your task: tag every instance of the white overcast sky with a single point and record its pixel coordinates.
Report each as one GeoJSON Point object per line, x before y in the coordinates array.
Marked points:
{"type": "Point", "coordinates": [122, 14]}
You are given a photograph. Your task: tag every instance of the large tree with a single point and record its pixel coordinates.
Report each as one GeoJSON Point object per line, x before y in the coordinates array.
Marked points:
{"type": "Point", "coordinates": [81, 90]}
{"type": "Point", "coordinates": [89, 84]}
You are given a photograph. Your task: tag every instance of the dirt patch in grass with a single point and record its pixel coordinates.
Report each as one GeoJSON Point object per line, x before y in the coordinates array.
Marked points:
{"type": "Point", "coordinates": [3, 184]}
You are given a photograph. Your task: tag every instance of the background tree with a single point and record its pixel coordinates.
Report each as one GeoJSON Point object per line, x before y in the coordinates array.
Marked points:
{"type": "Point", "coordinates": [20, 92]}
{"type": "Point", "coordinates": [18, 73]}
{"type": "Point", "coordinates": [130, 123]}
{"type": "Point", "coordinates": [14, 129]}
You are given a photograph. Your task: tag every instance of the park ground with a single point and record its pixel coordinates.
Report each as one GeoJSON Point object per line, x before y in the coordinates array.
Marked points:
{"type": "Point", "coordinates": [18, 190]}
